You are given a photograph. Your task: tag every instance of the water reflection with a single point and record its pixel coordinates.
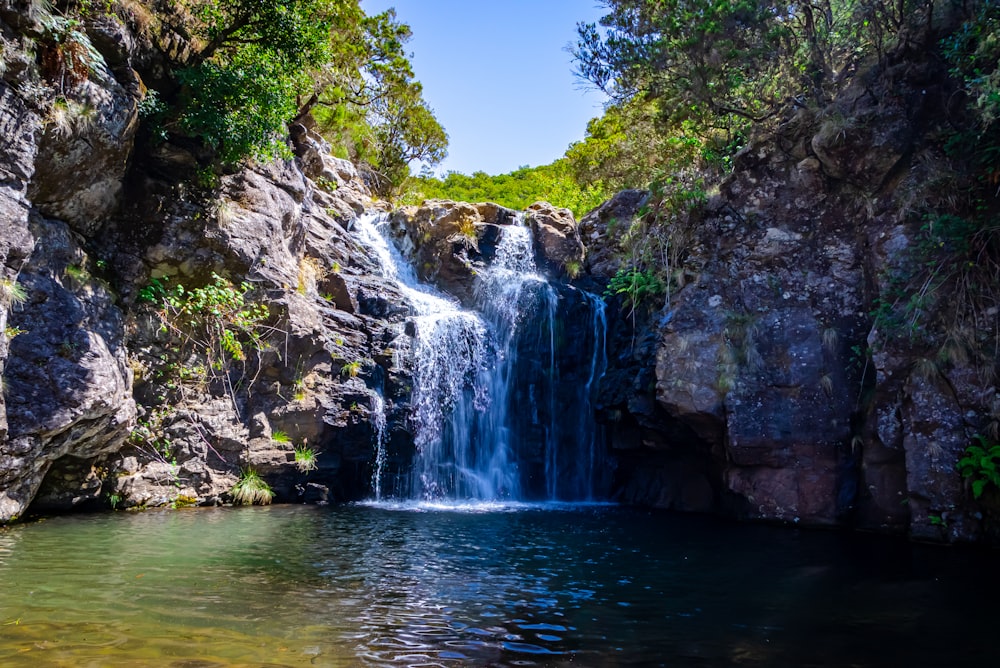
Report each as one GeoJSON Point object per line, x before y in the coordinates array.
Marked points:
{"type": "Point", "coordinates": [518, 585]}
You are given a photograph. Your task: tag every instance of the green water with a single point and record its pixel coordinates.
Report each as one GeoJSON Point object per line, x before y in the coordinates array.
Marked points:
{"type": "Point", "coordinates": [523, 586]}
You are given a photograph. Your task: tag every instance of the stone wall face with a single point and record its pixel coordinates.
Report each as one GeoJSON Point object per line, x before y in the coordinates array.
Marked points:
{"type": "Point", "coordinates": [765, 392]}
{"type": "Point", "coordinates": [103, 402]}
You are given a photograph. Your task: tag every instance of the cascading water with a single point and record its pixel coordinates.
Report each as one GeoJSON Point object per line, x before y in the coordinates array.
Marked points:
{"type": "Point", "coordinates": [472, 375]}
{"type": "Point", "coordinates": [460, 452]}
{"type": "Point", "coordinates": [590, 469]}
{"type": "Point", "coordinates": [381, 438]}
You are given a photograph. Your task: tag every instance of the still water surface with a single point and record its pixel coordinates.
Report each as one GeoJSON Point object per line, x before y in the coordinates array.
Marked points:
{"type": "Point", "coordinates": [509, 586]}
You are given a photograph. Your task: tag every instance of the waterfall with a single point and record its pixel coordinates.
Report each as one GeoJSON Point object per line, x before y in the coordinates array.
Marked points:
{"type": "Point", "coordinates": [487, 387]}
{"type": "Point", "coordinates": [381, 436]}
{"type": "Point", "coordinates": [591, 465]}
{"type": "Point", "coordinates": [458, 427]}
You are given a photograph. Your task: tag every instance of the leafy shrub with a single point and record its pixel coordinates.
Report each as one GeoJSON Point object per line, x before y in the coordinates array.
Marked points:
{"type": "Point", "coordinates": [981, 463]}
{"type": "Point", "coordinates": [239, 108]}
{"type": "Point", "coordinates": [217, 317]}
{"type": "Point", "coordinates": [635, 286]}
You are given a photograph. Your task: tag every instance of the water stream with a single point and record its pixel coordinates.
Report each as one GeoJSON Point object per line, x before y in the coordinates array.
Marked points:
{"type": "Point", "coordinates": [472, 369]}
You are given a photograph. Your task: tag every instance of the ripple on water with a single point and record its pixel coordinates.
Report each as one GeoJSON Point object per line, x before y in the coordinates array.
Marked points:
{"type": "Point", "coordinates": [368, 586]}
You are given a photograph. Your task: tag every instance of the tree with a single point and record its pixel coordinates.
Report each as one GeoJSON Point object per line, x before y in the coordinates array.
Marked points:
{"type": "Point", "coordinates": [631, 144]}
{"type": "Point", "coordinates": [404, 130]}
{"type": "Point", "coordinates": [264, 63]}
{"type": "Point", "coordinates": [554, 183]}
{"type": "Point", "coordinates": [379, 116]}
{"type": "Point", "coordinates": [737, 61]}
{"type": "Point", "coordinates": [295, 32]}
{"type": "Point", "coordinates": [698, 57]}
{"type": "Point", "coordinates": [239, 87]}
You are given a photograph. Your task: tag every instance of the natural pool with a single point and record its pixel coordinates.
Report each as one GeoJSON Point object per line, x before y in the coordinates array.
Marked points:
{"type": "Point", "coordinates": [488, 586]}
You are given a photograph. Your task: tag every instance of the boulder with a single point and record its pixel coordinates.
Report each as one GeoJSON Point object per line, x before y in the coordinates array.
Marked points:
{"type": "Point", "coordinates": [449, 242]}
{"type": "Point", "coordinates": [557, 239]}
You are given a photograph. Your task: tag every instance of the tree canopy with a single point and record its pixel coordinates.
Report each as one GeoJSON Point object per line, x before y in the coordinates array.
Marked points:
{"type": "Point", "coordinates": [737, 59]}
{"type": "Point", "coordinates": [259, 64]}
{"type": "Point", "coordinates": [518, 189]}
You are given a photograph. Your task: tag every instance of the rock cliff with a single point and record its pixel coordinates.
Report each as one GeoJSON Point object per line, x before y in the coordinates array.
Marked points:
{"type": "Point", "coordinates": [770, 385]}
{"type": "Point", "coordinates": [118, 388]}
{"type": "Point", "coordinates": [168, 324]}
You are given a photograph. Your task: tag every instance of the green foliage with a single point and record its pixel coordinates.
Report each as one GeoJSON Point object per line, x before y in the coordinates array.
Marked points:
{"type": "Point", "coordinates": [77, 273]}
{"type": "Point", "coordinates": [251, 489]}
{"type": "Point", "coordinates": [554, 183]}
{"type": "Point", "coordinates": [217, 323]}
{"type": "Point", "coordinates": [632, 143]}
{"type": "Point", "coordinates": [296, 32]}
{"type": "Point", "coordinates": [732, 63]}
{"type": "Point", "coordinates": [572, 268]}
{"type": "Point", "coordinates": [635, 286]}
{"type": "Point", "coordinates": [261, 64]}
{"type": "Point", "coordinates": [279, 436]}
{"type": "Point", "coordinates": [305, 459]}
{"type": "Point", "coordinates": [183, 501]}
{"type": "Point", "coordinates": [974, 53]}
{"type": "Point", "coordinates": [981, 464]}
{"type": "Point", "coordinates": [351, 369]}
{"type": "Point", "coordinates": [94, 7]}
{"type": "Point", "coordinates": [239, 108]}
{"type": "Point", "coordinates": [655, 243]}
{"type": "Point", "coordinates": [403, 129]}
{"type": "Point", "coordinates": [945, 290]}
{"type": "Point", "coordinates": [371, 109]}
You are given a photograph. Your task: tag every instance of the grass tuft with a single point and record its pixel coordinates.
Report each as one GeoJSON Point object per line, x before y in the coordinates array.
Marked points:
{"type": "Point", "coordinates": [305, 459]}
{"type": "Point", "coordinates": [12, 293]}
{"type": "Point", "coordinates": [251, 489]}
{"type": "Point", "coordinates": [830, 340]}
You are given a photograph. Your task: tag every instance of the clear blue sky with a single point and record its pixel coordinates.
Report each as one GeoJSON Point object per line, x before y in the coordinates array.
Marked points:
{"type": "Point", "coordinates": [499, 78]}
